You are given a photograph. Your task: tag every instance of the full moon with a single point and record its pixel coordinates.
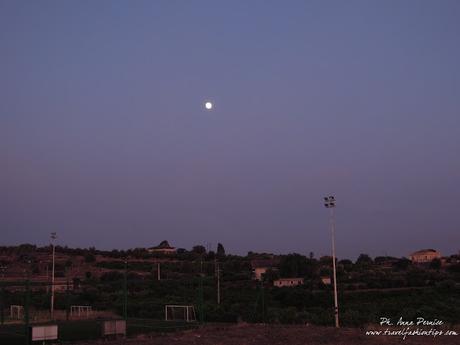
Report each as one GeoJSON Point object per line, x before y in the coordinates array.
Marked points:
{"type": "Point", "coordinates": [208, 105]}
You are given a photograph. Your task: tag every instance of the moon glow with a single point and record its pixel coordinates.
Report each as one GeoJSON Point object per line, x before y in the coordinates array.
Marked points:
{"type": "Point", "coordinates": [208, 105]}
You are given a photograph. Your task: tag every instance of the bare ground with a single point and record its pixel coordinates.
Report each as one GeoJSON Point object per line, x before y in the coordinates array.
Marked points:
{"type": "Point", "coordinates": [244, 334]}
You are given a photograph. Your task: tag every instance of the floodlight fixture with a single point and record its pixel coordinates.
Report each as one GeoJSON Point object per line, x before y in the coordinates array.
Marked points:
{"type": "Point", "coordinates": [329, 201]}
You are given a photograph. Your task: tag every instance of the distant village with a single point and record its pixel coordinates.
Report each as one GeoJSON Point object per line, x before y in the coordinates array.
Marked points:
{"type": "Point", "coordinates": [216, 286]}
{"type": "Point", "coordinates": [74, 266]}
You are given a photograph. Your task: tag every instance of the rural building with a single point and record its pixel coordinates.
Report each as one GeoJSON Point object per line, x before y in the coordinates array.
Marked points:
{"type": "Point", "coordinates": [326, 280]}
{"type": "Point", "coordinates": [260, 267]}
{"type": "Point", "coordinates": [424, 255]}
{"type": "Point", "coordinates": [162, 248]}
{"type": "Point", "coordinates": [288, 282]}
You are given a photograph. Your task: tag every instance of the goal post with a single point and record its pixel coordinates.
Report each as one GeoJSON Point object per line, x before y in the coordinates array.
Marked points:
{"type": "Point", "coordinates": [81, 311]}
{"type": "Point", "coordinates": [175, 312]}
{"type": "Point", "coordinates": [16, 312]}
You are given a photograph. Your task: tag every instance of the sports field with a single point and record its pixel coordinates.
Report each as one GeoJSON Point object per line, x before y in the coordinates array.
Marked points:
{"type": "Point", "coordinates": [246, 334]}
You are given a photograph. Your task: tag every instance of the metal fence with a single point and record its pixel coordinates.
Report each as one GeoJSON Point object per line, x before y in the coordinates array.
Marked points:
{"type": "Point", "coordinates": [75, 312]}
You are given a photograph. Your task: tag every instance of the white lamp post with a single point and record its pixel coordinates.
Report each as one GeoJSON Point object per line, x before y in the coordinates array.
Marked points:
{"type": "Point", "coordinates": [329, 202]}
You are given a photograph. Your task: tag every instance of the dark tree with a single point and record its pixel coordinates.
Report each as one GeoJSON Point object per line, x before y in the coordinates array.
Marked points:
{"type": "Point", "coordinates": [210, 255]}
{"type": "Point", "coordinates": [76, 283]}
{"type": "Point", "coordinates": [199, 249]}
{"type": "Point", "coordinates": [220, 250]}
{"type": "Point", "coordinates": [293, 265]}
{"type": "Point", "coordinates": [402, 264]}
{"type": "Point", "coordinates": [164, 244]}
{"type": "Point", "coordinates": [435, 264]}
{"type": "Point", "coordinates": [90, 257]}
{"type": "Point", "coordinates": [364, 260]}
{"type": "Point", "coordinates": [112, 276]}
{"type": "Point", "coordinates": [455, 268]}
{"type": "Point", "coordinates": [270, 275]}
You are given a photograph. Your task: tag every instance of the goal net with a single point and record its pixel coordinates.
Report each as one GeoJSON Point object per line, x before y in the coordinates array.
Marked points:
{"type": "Point", "coordinates": [81, 311]}
{"type": "Point", "coordinates": [16, 312]}
{"type": "Point", "coordinates": [180, 313]}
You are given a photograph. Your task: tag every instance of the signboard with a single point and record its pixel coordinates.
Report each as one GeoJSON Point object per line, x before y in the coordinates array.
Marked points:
{"type": "Point", "coordinates": [48, 332]}
{"type": "Point", "coordinates": [114, 327]}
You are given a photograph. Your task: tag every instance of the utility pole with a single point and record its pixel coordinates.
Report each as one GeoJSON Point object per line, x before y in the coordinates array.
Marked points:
{"type": "Point", "coordinates": [329, 202]}
{"type": "Point", "coordinates": [67, 304]}
{"type": "Point", "coordinates": [218, 282]}
{"type": "Point", "coordinates": [263, 302]}
{"type": "Point", "coordinates": [53, 238]}
{"type": "Point", "coordinates": [158, 272]}
{"type": "Point", "coordinates": [125, 292]}
{"type": "Point", "coordinates": [27, 305]}
{"type": "Point", "coordinates": [201, 301]}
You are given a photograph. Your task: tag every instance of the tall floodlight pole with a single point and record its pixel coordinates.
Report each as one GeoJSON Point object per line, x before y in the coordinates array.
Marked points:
{"type": "Point", "coordinates": [53, 239]}
{"type": "Point", "coordinates": [329, 202]}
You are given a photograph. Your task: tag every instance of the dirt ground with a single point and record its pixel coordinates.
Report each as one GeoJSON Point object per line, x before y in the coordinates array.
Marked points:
{"type": "Point", "coordinates": [244, 334]}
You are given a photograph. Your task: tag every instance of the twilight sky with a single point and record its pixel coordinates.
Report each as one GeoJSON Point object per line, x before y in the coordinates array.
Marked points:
{"type": "Point", "coordinates": [104, 138]}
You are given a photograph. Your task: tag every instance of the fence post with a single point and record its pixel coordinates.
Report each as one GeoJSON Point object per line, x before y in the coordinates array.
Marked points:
{"type": "Point", "coordinates": [201, 300]}
{"type": "Point", "coordinates": [67, 304]}
{"type": "Point", "coordinates": [125, 292]}
{"type": "Point", "coordinates": [26, 310]}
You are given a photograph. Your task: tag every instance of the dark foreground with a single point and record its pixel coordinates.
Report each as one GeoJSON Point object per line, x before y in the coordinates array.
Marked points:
{"type": "Point", "coordinates": [245, 334]}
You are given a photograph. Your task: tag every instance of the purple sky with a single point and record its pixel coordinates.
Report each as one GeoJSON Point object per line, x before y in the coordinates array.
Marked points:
{"type": "Point", "coordinates": [104, 139]}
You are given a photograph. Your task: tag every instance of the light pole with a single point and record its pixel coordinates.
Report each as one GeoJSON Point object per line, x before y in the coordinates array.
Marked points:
{"type": "Point", "coordinates": [53, 239]}
{"type": "Point", "coordinates": [218, 281]}
{"type": "Point", "coordinates": [329, 202]}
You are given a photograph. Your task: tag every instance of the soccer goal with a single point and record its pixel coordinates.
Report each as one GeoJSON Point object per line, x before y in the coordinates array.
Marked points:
{"type": "Point", "coordinates": [16, 312]}
{"type": "Point", "coordinates": [180, 313]}
{"type": "Point", "coordinates": [81, 311]}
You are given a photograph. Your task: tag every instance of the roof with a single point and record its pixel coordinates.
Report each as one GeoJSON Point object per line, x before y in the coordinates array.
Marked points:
{"type": "Point", "coordinates": [424, 251]}
{"type": "Point", "coordinates": [163, 245]}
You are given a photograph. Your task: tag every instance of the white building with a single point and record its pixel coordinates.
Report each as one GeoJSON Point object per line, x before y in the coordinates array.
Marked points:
{"type": "Point", "coordinates": [424, 256]}
{"type": "Point", "coordinates": [260, 267]}
{"type": "Point", "coordinates": [288, 282]}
